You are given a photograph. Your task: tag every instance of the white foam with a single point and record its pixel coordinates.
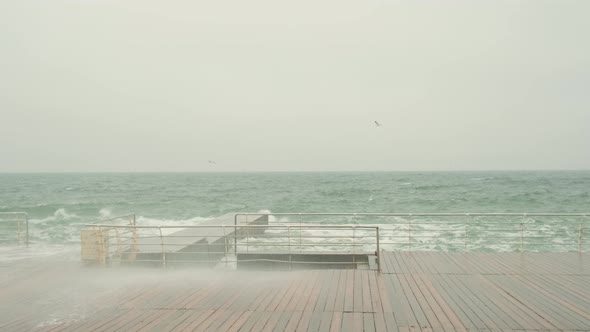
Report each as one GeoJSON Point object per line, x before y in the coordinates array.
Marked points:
{"type": "Point", "coordinates": [271, 218]}
{"type": "Point", "coordinates": [59, 214]}
{"type": "Point", "coordinates": [145, 221]}
{"type": "Point", "coordinates": [105, 212]}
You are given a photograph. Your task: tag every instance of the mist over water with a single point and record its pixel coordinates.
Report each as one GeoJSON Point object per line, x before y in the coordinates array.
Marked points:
{"type": "Point", "coordinates": [59, 204]}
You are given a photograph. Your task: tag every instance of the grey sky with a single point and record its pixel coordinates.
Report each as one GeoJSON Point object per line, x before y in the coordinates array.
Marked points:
{"type": "Point", "coordinates": [111, 85]}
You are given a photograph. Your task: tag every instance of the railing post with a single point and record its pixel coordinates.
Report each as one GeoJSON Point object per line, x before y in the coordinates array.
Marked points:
{"type": "Point", "coordinates": [521, 236]}
{"type": "Point", "coordinates": [101, 250]}
{"type": "Point", "coordinates": [409, 235]}
{"type": "Point", "coordinates": [119, 251]}
{"type": "Point", "coordinates": [163, 250]}
{"type": "Point", "coordinates": [19, 239]}
{"type": "Point", "coordinates": [354, 246]}
{"type": "Point", "coordinates": [224, 246]}
{"type": "Point", "coordinates": [378, 251]}
{"type": "Point", "coordinates": [27, 229]}
{"type": "Point", "coordinates": [290, 250]}
{"type": "Point", "coordinates": [236, 236]}
{"type": "Point", "coordinates": [580, 237]}
{"type": "Point", "coordinates": [133, 254]}
{"type": "Point", "coordinates": [466, 236]}
{"type": "Point", "coordinates": [300, 230]}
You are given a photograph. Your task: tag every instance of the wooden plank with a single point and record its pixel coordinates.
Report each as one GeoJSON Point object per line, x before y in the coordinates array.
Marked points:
{"type": "Point", "coordinates": [379, 322]}
{"type": "Point", "coordinates": [516, 305]}
{"type": "Point", "coordinates": [326, 322]}
{"type": "Point", "coordinates": [288, 298]}
{"type": "Point", "coordinates": [432, 321]}
{"type": "Point", "coordinates": [273, 321]}
{"type": "Point", "coordinates": [193, 320]}
{"type": "Point", "coordinates": [348, 323]}
{"type": "Point", "coordinates": [313, 295]}
{"type": "Point", "coordinates": [332, 290]}
{"type": "Point", "coordinates": [214, 321]}
{"type": "Point", "coordinates": [416, 310]}
{"type": "Point", "coordinates": [262, 321]}
{"type": "Point", "coordinates": [443, 311]}
{"type": "Point", "coordinates": [385, 263]}
{"type": "Point", "coordinates": [157, 316]}
{"type": "Point", "coordinates": [398, 263]}
{"type": "Point", "coordinates": [472, 316]}
{"type": "Point", "coordinates": [375, 294]}
{"type": "Point", "coordinates": [523, 317]}
{"type": "Point", "coordinates": [293, 321]}
{"type": "Point", "coordinates": [236, 319]}
{"type": "Point", "coordinates": [357, 291]}
{"type": "Point", "coordinates": [494, 308]}
{"type": "Point", "coordinates": [404, 267]}
{"type": "Point", "coordinates": [336, 323]}
{"type": "Point", "coordinates": [570, 287]}
{"type": "Point", "coordinates": [483, 308]}
{"type": "Point", "coordinates": [267, 299]}
{"type": "Point", "coordinates": [304, 321]}
{"type": "Point", "coordinates": [400, 306]}
{"type": "Point", "coordinates": [251, 321]}
{"type": "Point", "coordinates": [281, 296]}
{"type": "Point", "coordinates": [461, 291]}
{"type": "Point", "coordinates": [367, 303]}
{"type": "Point", "coordinates": [554, 313]}
{"type": "Point", "coordinates": [297, 294]}
{"type": "Point", "coordinates": [567, 304]}
{"type": "Point", "coordinates": [340, 292]}
{"type": "Point", "coordinates": [315, 321]}
{"type": "Point", "coordinates": [282, 321]}
{"type": "Point", "coordinates": [237, 298]}
{"type": "Point", "coordinates": [172, 322]}
{"type": "Point", "coordinates": [305, 295]}
{"type": "Point", "coordinates": [132, 321]}
{"type": "Point", "coordinates": [349, 291]}
{"type": "Point", "coordinates": [368, 322]}
{"type": "Point", "coordinates": [257, 299]}
{"type": "Point", "coordinates": [462, 308]}
{"type": "Point", "coordinates": [326, 283]}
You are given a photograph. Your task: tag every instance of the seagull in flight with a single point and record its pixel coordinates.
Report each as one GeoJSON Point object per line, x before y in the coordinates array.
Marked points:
{"type": "Point", "coordinates": [377, 124]}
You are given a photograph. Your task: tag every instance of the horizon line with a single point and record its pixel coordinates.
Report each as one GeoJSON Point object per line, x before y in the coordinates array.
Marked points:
{"type": "Point", "coordinates": [298, 171]}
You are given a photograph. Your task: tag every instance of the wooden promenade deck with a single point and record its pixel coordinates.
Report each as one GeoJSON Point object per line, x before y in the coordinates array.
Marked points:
{"type": "Point", "coordinates": [417, 291]}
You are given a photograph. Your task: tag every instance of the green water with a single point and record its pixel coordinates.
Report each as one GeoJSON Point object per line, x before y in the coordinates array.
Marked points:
{"type": "Point", "coordinates": [59, 203]}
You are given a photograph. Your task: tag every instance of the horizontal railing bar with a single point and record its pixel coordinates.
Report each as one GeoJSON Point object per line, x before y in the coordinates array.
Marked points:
{"type": "Point", "coordinates": [283, 244]}
{"type": "Point", "coordinates": [109, 219]}
{"type": "Point", "coordinates": [435, 214]}
{"type": "Point", "coordinates": [296, 262]}
{"type": "Point", "coordinates": [233, 226]}
{"type": "Point", "coordinates": [14, 213]}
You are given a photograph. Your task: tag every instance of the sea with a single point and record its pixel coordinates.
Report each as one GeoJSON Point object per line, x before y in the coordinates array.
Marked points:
{"type": "Point", "coordinates": [59, 204]}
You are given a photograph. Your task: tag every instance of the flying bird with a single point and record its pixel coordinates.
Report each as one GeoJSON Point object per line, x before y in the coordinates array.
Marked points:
{"type": "Point", "coordinates": [377, 124]}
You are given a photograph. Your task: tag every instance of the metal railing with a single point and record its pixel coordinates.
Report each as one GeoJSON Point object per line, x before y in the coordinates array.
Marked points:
{"type": "Point", "coordinates": [14, 228]}
{"type": "Point", "coordinates": [108, 244]}
{"type": "Point", "coordinates": [495, 232]}
{"type": "Point", "coordinates": [95, 240]}
{"type": "Point", "coordinates": [126, 219]}
{"type": "Point", "coordinates": [120, 240]}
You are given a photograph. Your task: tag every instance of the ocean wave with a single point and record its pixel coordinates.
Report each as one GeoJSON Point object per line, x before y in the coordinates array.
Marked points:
{"type": "Point", "coordinates": [483, 178]}
{"type": "Point", "coordinates": [60, 214]}
{"type": "Point", "coordinates": [105, 212]}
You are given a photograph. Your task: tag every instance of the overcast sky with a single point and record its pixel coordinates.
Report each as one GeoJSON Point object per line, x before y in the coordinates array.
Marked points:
{"type": "Point", "coordinates": [144, 85]}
